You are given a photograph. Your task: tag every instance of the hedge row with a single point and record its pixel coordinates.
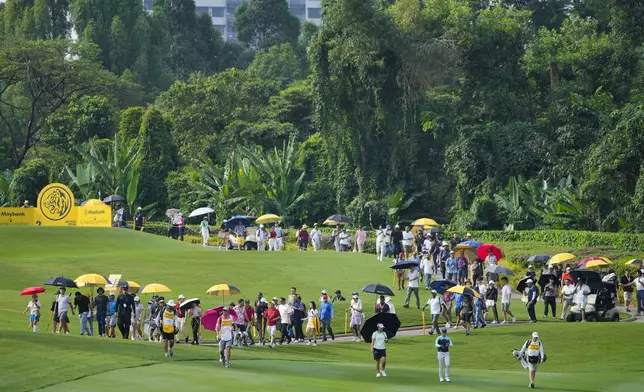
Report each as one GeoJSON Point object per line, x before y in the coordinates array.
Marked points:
{"type": "Point", "coordinates": [566, 238]}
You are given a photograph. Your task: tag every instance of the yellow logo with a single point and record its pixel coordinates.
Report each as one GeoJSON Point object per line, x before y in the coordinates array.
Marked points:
{"type": "Point", "coordinates": [55, 202]}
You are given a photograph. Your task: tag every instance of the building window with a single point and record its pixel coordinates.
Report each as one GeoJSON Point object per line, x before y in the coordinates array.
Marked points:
{"type": "Point", "coordinates": [314, 13]}
{"type": "Point", "coordinates": [218, 12]}
{"type": "Point", "coordinates": [147, 5]}
{"type": "Point", "coordinates": [300, 14]}
{"type": "Point", "coordinates": [201, 10]}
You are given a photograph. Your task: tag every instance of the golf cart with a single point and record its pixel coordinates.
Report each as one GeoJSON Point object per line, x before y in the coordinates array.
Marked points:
{"type": "Point", "coordinates": [602, 302]}
{"type": "Point", "coordinates": [249, 242]}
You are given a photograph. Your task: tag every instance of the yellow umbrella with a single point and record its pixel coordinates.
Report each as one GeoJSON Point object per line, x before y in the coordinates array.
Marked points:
{"type": "Point", "coordinates": [330, 222]}
{"type": "Point", "coordinates": [637, 263]}
{"type": "Point", "coordinates": [561, 258]}
{"type": "Point", "coordinates": [464, 290]}
{"type": "Point", "coordinates": [268, 218]}
{"type": "Point", "coordinates": [133, 285]}
{"type": "Point", "coordinates": [93, 203]}
{"type": "Point", "coordinates": [596, 263]}
{"type": "Point", "coordinates": [91, 280]}
{"type": "Point", "coordinates": [155, 288]}
{"type": "Point", "coordinates": [223, 289]}
{"type": "Point", "coordinates": [426, 223]}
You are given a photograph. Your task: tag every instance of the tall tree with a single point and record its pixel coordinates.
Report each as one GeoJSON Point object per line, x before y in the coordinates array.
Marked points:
{"type": "Point", "coordinates": [263, 23]}
{"type": "Point", "coordinates": [37, 78]}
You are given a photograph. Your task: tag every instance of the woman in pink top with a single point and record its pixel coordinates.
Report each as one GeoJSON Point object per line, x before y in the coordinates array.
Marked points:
{"type": "Point", "coordinates": [361, 237]}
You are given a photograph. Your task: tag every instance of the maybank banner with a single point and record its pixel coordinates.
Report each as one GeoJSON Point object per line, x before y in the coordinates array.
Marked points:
{"type": "Point", "coordinates": [55, 207]}
{"type": "Point", "coordinates": [94, 216]}
{"type": "Point", "coordinates": [17, 216]}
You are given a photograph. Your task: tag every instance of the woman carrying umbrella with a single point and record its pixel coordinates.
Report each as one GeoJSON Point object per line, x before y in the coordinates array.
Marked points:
{"type": "Point", "coordinates": [205, 231]}
{"type": "Point", "coordinates": [379, 350]}
{"type": "Point", "coordinates": [34, 312]}
{"type": "Point", "coordinates": [313, 324]}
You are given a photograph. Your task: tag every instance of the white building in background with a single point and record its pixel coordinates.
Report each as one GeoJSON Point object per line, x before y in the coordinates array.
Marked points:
{"type": "Point", "coordinates": [222, 13]}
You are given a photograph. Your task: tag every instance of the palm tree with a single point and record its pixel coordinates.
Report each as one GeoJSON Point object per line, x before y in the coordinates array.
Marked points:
{"type": "Point", "coordinates": [282, 184]}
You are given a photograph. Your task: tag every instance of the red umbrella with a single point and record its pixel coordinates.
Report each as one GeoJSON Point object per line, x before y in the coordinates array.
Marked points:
{"type": "Point", "coordinates": [209, 319]}
{"type": "Point", "coordinates": [482, 252]}
{"type": "Point", "coordinates": [33, 290]}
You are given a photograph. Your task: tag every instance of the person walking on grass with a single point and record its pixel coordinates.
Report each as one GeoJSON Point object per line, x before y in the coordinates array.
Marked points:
{"type": "Point", "coordinates": [443, 255]}
{"type": "Point", "coordinates": [361, 238]}
{"type": "Point", "coordinates": [285, 320]}
{"type": "Point", "coordinates": [63, 302]}
{"type": "Point", "coordinates": [379, 350]}
{"type": "Point", "coordinates": [195, 322]}
{"type": "Point", "coordinates": [168, 323]}
{"type": "Point", "coordinates": [312, 324]}
{"type": "Point", "coordinates": [303, 238]}
{"type": "Point", "coordinates": [316, 235]}
{"type": "Point", "coordinates": [124, 308]}
{"type": "Point", "coordinates": [447, 308]}
{"type": "Point", "coordinates": [33, 307]}
{"type": "Point", "coordinates": [443, 343]}
{"type": "Point", "coordinates": [407, 242]}
{"type": "Point", "coordinates": [550, 298]}
{"type": "Point", "coordinates": [467, 311]}
{"type": "Point", "coordinates": [81, 303]}
{"type": "Point", "coordinates": [436, 305]}
{"type": "Point", "coordinates": [491, 298]}
{"type": "Point", "coordinates": [583, 291]}
{"type": "Point", "coordinates": [451, 265]}
{"type": "Point", "coordinates": [462, 264]}
{"type": "Point", "coordinates": [381, 306]}
{"type": "Point", "coordinates": [205, 231]}
{"type": "Point", "coordinates": [506, 300]}
{"type": "Point", "coordinates": [639, 286]}
{"type": "Point", "coordinates": [427, 266]}
{"type": "Point", "coordinates": [100, 303]}
{"type": "Point", "coordinates": [357, 317]}
{"type": "Point", "coordinates": [297, 317]}
{"type": "Point", "coordinates": [271, 315]}
{"type": "Point", "coordinates": [260, 307]}
{"type": "Point", "coordinates": [533, 296]}
{"type": "Point", "coordinates": [243, 323]}
{"type": "Point", "coordinates": [181, 320]}
{"type": "Point", "coordinates": [625, 282]}
{"type": "Point", "coordinates": [533, 351]}
{"type": "Point", "coordinates": [326, 315]}
{"type": "Point", "coordinates": [380, 239]}
{"type": "Point", "coordinates": [225, 328]}
{"type": "Point", "coordinates": [137, 330]}
{"type": "Point", "coordinates": [567, 297]}
{"type": "Point", "coordinates": [335, 235]}
{"type": "Point", "coordinates": [413, 278]}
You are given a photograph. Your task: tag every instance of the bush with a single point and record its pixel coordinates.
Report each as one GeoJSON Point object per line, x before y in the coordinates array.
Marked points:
{"type": "Point", "coordinates": [28, 181]}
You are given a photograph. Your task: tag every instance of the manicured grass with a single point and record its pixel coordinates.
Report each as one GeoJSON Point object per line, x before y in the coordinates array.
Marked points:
{"type": "Point", "coordinates": [581, 357]}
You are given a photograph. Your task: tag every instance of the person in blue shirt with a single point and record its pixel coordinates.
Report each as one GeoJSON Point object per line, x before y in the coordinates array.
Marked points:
{"type": "Point", "coordinates": [443, 343]}
{"type": "Point", "coordinates": [111, 316]}
{"type": "Point", "coordinates": [326, 315]}
{"type": "Point", "coordinates": [452, 266]}
{"type": "Point", "coordinates": [479, 320]}
{"type": "Point", "coordinates": [533, 295]}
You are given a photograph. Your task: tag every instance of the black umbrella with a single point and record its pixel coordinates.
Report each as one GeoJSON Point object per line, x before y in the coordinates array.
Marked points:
{"type": "Point", "coordinates": [389, 320]}
{"type": "Point", "coordinates": [404, 264]}
{"type": "Point", "coordinates": [435, 230]}
{"type": "Point", "coordinates": [189, 304]}
{"type": "Point", "coordinates": [341, 219]}
{"type": "Point", "coordinates": [61, 281]}
{"type": "Point", "coordinates": [538, 259]}
{"type": "Point", "coordinates": [377, 288]}
{"type": "Point", "coordinates": [113, 198]}
{"type": "Point", "coordinates": [522, 284]}
{"type": "Point", "coordinates": [545, 278]}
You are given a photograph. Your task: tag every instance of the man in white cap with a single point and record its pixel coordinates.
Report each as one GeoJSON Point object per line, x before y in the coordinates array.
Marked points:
{"type": "Point", "coordinates": [533, 295]}
{"type": "Point", "coordinates": [322, 295]}
{"type": "Point", "coordinates": [181, 318]}
{"type": "Point", "coordinates": [168, 327]}
{"type": "Point", "coordinates": [224, 328]}
{"type": "Point", "coordinates": [533, 352]}
{"type": "Point", "coordinates": [379, 350]}
{"type": "Point", "coordinates": [436, 307]}
{"type": "Point", "coordinates": [139, 219]}
{"type": "Point", "coordinates": [260, 235]}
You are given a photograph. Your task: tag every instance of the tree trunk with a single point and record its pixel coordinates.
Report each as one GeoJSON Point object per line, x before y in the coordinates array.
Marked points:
{"type": "Point", "coordinates": [554, 75]}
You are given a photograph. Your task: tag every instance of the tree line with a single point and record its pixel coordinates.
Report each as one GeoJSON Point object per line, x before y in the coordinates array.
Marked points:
{"type": "Point", "coordinates": [482, 114]}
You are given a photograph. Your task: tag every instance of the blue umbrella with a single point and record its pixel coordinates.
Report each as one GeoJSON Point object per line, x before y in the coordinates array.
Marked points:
{"type": "Point", "coordinates": [245, 220]}
{"type": "Point", "coordinates": [472, 243]}
{"type": "Point", "coordinates": [441, 285]}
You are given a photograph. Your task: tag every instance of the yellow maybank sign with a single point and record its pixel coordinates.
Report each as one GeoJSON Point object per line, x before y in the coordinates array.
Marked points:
{"type": "Point", "coordinates": [55, 207]}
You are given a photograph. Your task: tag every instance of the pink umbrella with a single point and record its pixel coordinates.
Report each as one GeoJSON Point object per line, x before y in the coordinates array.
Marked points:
{"type": "Point", "coordinates": [210, 318]}
{"type": "Point", "coordinates": [482, 251]}
{"type": "Point", "coordinates": [583, 263]}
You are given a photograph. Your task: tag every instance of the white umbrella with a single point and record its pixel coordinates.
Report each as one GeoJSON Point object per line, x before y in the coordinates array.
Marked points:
{"type": "Point", "coordinates": [189, 304]}
{"type": "Point", "coordinates": [171, 213]}
{"type": "Point", "coordinates": [201, 211]}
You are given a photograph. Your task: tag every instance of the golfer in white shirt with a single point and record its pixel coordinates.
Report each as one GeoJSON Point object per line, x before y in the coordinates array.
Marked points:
{"type": "Point", "coordinates": [582, 298]}
{"type": "Point", "coordinates": [428, 267]}
{"type": "Point", "coordinates": [407, 241]}
{"type": "Point", "coordinates": [506, 299]}
{"type": "Point", "coordinates": [315, 238]}
{"type": "Point", "coordinates": [435, 304]}
{"type": "Point", "coordinates": [380, 240]}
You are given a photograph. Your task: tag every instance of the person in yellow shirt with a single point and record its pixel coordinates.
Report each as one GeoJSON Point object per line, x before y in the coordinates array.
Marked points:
{"type": "Point", "coordinates": [168, 327]}
{"type": "Point", "coordinates": [533, 353]}
{"type": "Point", "coordinates": [225, 328]}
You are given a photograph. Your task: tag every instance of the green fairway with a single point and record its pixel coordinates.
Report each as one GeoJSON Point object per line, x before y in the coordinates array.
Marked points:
{"type": "Point", "coordinates": [581, 358]}
{"type": "Point", "coordinates": [33, 254]}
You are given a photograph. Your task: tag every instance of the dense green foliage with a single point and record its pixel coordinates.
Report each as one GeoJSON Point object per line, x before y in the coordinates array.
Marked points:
{"type": "Point", "coordinates": [481, 114]}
